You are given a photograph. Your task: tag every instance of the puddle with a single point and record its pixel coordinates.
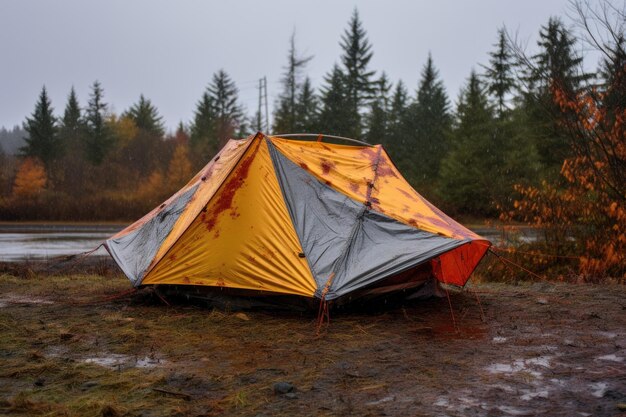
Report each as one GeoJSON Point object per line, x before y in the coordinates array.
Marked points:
{"type": "Point", "coordinates": [530, 395]}
{"type": "Point", "coordinates": [118, 361]}
{"type": "Point", "coordinates": [598, 389]}
{"type": "Point", "coordinates": [521, 365]}
{"type": "Point", "coordinates": [381, 401]}
{"type": "Point", "coordinates": [442, 402]}
{"type": "Point", "coordinates": [8, 299]}
{"type": "Point", "coordinates": [512, 411]}
{"type": "Point", "coordinates": [612, 357]}
{"type": "Point", "coordinates": [548, 348]}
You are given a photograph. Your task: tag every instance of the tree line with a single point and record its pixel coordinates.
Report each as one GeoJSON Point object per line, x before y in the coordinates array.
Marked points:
{"type": "Point", "coordinates": [506, 133]}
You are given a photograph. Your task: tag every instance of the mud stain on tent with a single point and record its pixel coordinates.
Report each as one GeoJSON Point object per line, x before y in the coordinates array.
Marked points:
{"type": "Point", "coordinates": [227, 193]}
{"type": "Point", "coordinates": [326, 166]}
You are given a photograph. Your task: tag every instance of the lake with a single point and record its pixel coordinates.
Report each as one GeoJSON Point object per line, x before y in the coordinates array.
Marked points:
{"type": "Point", "coordinates": [24, 241]}
{"type": "Point", "coordinates": [19, 242]}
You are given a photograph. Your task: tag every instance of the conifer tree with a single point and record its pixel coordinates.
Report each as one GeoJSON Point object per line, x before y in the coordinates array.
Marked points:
{"type": "Point", "coordinates": [336, 117]}
{"type": "Point", "coordinates": [612, 74]}
{"type": "Point", "coordinates": [203, 124]}
{"type": "Point", "coordinates": [499, 74]}
{"type": "Point", "coordinates": [99, 137]}
{"type": "Point", "coordinates": [146, 117]}
{"type": "Point", "coordinates": [72, 117]}
{"type": "Point", "coordinates": [42, 141]}
{"type": "Point", "coordinates": [555, 66]}
{"type": "Point", "coordinates": [397, 140]}
{"type": "Point", "coordinates": [467, 171]}
{"type": "Point", "coordinates": [378, 116]}
{"type": "Point", "coordinates": [428, 123]}
{"type": "Point", "coordinates": [229, 116]}
{"type": "Point", "coordinates": [557, 60]}
{"type": "Point", "coordinates": [307, 109]}
{"type": "Point", "coordinates": [70, 173]}
{"type": "Point", "coordinates": [218, 117]}
{"type": "Point", "coordinates": [285, 116]}
{"type": "Point", "coordinates": [357, 53]}
{"type": "Point", "coordinates": [488, 156]}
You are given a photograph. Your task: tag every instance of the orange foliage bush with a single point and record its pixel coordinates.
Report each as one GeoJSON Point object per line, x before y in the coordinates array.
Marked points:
{"type": "Point", "coordinates": [587, 214]}
{"type": "Point", "coordinates": [180, 169]}
{"type": "Point", "coordinates": [30, 180]}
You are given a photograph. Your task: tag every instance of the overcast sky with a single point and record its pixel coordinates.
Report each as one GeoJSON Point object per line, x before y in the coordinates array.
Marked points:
{"type": "Point", "coordinates": [168, 50]}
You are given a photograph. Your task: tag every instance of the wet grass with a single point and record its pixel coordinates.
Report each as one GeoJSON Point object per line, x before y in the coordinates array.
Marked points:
{"type": "Point", "coordinates": [79, 345]}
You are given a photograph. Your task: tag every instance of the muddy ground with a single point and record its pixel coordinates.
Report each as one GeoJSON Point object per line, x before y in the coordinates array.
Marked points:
{"type": "Point", "coordinates": [76, 345]}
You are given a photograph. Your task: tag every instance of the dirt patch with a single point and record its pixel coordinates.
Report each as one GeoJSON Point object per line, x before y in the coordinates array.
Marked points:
{"type": "Point", "coordinates": [542, 349]}
{"type": "Point", "coordinates": [8, 299]}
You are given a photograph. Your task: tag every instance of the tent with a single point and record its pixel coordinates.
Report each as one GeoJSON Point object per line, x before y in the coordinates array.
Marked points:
{"type": "Point", "coordinates": [272, 215]}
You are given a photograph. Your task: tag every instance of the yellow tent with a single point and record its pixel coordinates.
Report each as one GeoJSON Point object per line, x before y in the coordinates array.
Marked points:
{"type": "Point", "coordinates": [297, 217]}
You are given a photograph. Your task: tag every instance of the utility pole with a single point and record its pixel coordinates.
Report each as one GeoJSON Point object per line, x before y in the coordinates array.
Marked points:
{"type": "Point", "coordinates": [262, 104]}
{"type": "Point", "coordinates": [267, 114]}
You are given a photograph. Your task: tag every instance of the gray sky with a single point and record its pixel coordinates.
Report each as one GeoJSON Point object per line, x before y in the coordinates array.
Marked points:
{"type": "Point", "coordinates": [169, 50]}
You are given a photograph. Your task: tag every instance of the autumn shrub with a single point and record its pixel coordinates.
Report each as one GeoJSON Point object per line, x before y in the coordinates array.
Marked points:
{"type": "Point", "coordinates": [584, 216]}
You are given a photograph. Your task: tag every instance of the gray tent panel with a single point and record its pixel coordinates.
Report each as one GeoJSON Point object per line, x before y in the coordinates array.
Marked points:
{"type": "Point", "coordinates": [135, 251]}
{"type": "Point", "coordinates": [340, 236]}
{"type": "Point", "coordinates": [383, 247]}
{"type": "Point", "coordinates": [322, 217]}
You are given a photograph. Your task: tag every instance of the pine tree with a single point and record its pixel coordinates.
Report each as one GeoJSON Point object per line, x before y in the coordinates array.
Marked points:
{"type": "Point", "coordinates": [555, 66]}
{"type": "Point", "coordinates": [146, 117]}
{"type": "Point", "coordinates": [42, 141]}
{"type": "Point", "coordinates": [488, 156]}
{"type": "Point", "coordinates": [557, 61]}
{"type": "Point", "coordinates": [397, 140]}
{"type": "Point", "coordinates": [357, 53]}
{"type": "Point", "coordinates": [218, 117]}
{"type": "Point", "coordinates": [467, 171]}
{"type": "Point", "coordinates": [228, 112]}
{"type": "Point", "coordinates": [307, 109]}
{"type": "Point", "coordinates": [499, 73]}
{"type": "Point", "coordinates": [285, 116]}
{"type": "Point", "coordinates": [72, 118]}
{"type": "Point", "coordinates": [203, 125]}
{"type": "Point", "coordinates": [613, 75]}
{"type": "Point", "coordinates": [378, 116]}
{"type": "Point", "coordinates": [335, 117]}
{"type": "Point", "coordinates": [99, 138]}
{"type": "Point", "coordinates": [70, 173]}
{"type": "Point", "coordinates": [428, 123]}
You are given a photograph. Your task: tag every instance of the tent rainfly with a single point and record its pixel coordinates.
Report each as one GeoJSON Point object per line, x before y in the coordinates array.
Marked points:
{"type": "Point", "coordinates": [291, 217]}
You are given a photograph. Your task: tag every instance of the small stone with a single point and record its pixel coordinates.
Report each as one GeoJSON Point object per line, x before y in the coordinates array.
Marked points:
{"type": "Point", "coordinates": [291, 396]}
{"type": "Point", "coordinates": [542, 300]}
{"type": "Point", "coordinates": [283, 388]}
{"type": "Point", "coordinates": [89, 384]}
{"type": "Point", "coordinates": [242, 316]}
